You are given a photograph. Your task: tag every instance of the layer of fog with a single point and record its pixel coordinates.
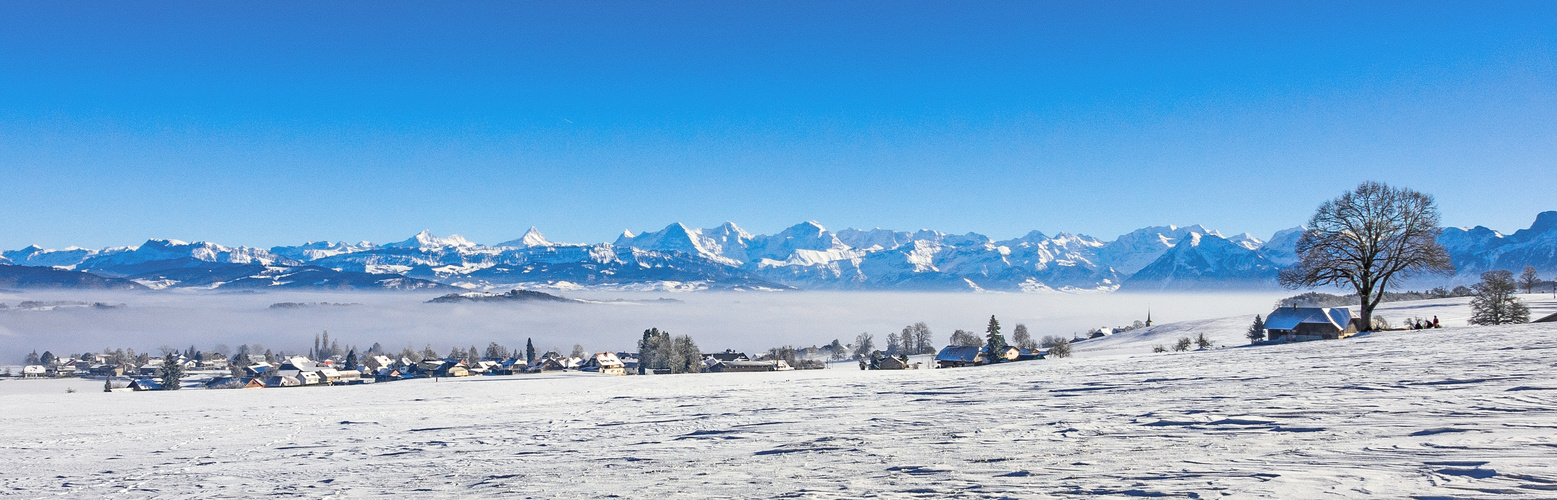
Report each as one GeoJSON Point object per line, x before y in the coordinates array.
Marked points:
{"type": "Point", "coordinates": [716, 321]}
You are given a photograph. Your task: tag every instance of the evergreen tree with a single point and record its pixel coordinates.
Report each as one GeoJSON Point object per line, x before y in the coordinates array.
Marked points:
{"type": "Point", "coordinates": [171, 372]}
{"type": "Point", "coordinates": [529, 351]}
{"type": "Point", "coordinates": [1495, 303]}
{"type": "Point", "coordinates": [47, 359]}
{"type": "Point", "coordinates": [1203, 342]}
{"type": "Point", "coordinates": [351, 360]}
{"type": "Point", "coordinates": [32, 358]}
{"type": "Point", "coordinates": [376, 349]}
{"type": "Point", "coordinates": [314, 353]}
{"type": "Point", "coordinates": [645, 350]}
{"type": "Point", "coordinates": [1257, 330]}
{"type": "Point", "coordinates": [324, 346]}
{"type": "Point", "coordinates": [495, 351]}
{"type": "Point", "coordinates": [689, 359]}
{"type": "Point", "coordinates": [996, 343]}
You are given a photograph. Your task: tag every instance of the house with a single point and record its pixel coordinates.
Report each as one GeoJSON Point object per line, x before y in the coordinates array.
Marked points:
{"type": "Point", "coordinates": [34, 371]}
{"type": "Point", "coordinates": [547, 365]}
{"type": "Point", "coordinates": [282, 381]}
{"type": "Point", "coordinates": [378, 362]}
{"type": "Point", "coordinates": [1294, 324]}
{"type": "Point", "coordinates": [308, 378]}
{"type": "Point", "coordinates": [258, 370]}
{"type": "Point", "coordinates": [605, 363]}
{"type": "Point", "coordinates": [1031, 355]}
{"type": "Point", "coordinates": [727, 355]}
{"type": "Point", "coordinates": [959, 356]}
{"type": "Point", "coordinates": [1010, 353]}
{"type": "Point", "coordinates": [386, 374]}
{"type": "Point", "coordinates": [328, 376]}
{"type": "Point", "coordinates": [234, 383]}
{"type": "Point", "coordinates": [899, 362]}
{"type": "Point", "coordinates": [106, 370]}
{"type": "Point", "coordinates": [145, 384]}
{"type": "Point", "coordinates": [457, 371]}
{"type": "Point", "coordinates": [295, 365]}
{"type": "Point", "coordinates": [152, 369]}
{"type": "Point", "coordinates": [345, 377]}
{"type": "Point", "coordinates": [742, 366]}
{"type": "Point", "coordinates": [1551, 318]}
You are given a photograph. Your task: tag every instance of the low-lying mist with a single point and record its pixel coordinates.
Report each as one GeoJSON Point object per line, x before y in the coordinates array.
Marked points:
{"type": "Point", "coordinates": [749, 321]}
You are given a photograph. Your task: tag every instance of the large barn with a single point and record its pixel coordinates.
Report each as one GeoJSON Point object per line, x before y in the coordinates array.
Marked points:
{"type": "Point", "coordinates": [1311, 323]}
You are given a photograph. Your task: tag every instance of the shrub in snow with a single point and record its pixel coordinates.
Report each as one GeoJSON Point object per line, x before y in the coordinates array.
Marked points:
{"type": "Point", "coordinates": [1183, 344]}
{"type": "Point", "coordinates": [1203, 342]}
{"type": "Point", "coordinates": [1159, 348]}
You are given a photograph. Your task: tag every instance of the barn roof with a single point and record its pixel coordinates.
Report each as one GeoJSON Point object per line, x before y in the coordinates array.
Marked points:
{"type": "Point", "coordinates": [958, 353]}
{"type": "Point", "coordinates": [1288, 318]}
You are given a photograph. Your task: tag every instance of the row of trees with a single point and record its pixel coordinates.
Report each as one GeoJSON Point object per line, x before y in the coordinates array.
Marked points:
{"type": "Point", "coordinates": [661, 351]}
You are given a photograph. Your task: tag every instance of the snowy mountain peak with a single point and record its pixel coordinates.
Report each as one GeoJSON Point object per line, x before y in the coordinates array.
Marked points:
{"type": "Point", "coordinates": [426, 241]}
{"type": "Point", "coordinates": [531, 239]}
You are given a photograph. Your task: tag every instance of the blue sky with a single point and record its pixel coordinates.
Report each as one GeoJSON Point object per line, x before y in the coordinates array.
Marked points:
{"type": "Point", "coordinates": [267, 123]}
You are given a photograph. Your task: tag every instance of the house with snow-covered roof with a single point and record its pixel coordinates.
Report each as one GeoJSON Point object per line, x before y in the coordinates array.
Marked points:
{"type": "Point", "coordinates": [1294, 323]}
{"type": "Point", "coordinates": [955, 356]}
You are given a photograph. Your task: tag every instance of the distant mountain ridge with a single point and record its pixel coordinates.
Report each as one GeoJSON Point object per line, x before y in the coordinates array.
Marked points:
{"type": "Point", "coordinates": [805, 256]}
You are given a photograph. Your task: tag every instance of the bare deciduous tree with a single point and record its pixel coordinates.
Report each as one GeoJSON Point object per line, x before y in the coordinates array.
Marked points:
{"type": "Point", "coordinates": [1495, 303]}
{"type": "Point", "coordinates": [1365, 239]}
{"type": "Point", "coordinates": [1529, 279]}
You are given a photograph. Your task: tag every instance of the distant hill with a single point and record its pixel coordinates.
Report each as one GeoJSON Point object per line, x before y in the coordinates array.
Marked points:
{"type": "Point", "coordinates": [511, 296]}
{"type": "Point", "coordinates": [34, 277]}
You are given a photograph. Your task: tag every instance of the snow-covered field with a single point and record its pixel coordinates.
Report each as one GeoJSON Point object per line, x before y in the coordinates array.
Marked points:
{"type": "Point", "coordinates": [1462, 412]}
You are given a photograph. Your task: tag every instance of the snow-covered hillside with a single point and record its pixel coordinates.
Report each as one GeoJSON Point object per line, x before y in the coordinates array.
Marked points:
{"type": "Point", "coordinates": [1452, 413]}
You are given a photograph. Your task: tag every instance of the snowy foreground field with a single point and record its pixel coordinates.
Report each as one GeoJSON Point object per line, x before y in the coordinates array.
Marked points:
{"type": "Point", "coordinates": [1464, 412]}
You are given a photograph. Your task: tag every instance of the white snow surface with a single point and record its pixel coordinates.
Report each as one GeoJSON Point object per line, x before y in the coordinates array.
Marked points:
{"type": "Point", "coordinates": [1461, 412]}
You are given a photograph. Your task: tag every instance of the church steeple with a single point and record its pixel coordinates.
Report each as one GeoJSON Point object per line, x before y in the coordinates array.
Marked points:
{"type": "Point", "coordinates": [1148, 316]}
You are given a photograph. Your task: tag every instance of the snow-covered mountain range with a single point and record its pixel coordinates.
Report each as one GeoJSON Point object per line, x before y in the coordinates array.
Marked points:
{"type": "Point", "coordinates": [804, 256]}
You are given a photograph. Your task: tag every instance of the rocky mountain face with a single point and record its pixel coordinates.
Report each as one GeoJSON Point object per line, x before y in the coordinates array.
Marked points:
{"type": "Point", "coordinates": [804, 256]}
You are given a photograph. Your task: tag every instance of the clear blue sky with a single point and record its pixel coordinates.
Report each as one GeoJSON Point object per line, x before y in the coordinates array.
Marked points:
{"type": "Point", "coordinates": [266, 123]}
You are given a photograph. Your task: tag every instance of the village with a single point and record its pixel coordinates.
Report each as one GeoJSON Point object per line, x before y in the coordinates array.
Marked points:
{"type": "Point", "coordinates": [325, 365]}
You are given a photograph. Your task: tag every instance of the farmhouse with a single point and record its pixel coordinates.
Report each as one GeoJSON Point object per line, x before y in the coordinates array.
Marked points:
{"type": "Point", "coordinates": [282, 381]}
{"type": "Point", "coordinates": [1295, 324]}
{"type": "Point", "coordinates": [33, 371]}
{"type": "Point", "coordinates": [959, 356]}
{"type": "Point", "coordinates": [605, 363]}
{"type": "Point", "coordinates": [727, 355]}
{"type": "Point", "coordinates": [899, 362]}
{"type": "Point", "coordinates": [742, 366]}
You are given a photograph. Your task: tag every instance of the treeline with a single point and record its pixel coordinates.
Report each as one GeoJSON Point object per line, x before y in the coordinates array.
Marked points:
{"type": "Point", "coordinates": [1318, 299]}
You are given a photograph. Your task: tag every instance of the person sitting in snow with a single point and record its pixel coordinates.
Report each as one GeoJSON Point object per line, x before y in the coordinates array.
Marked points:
{"type": "Point", "coordinates": [1435, 321]}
